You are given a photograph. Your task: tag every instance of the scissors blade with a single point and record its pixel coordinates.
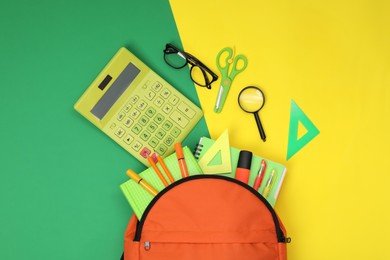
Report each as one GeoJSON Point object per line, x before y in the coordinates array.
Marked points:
{"type": "Point", "coordinates": [219, 98]}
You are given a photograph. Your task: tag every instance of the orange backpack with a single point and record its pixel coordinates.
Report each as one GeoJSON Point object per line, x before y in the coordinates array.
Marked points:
{"type": "Point", "coordinates": [208, 217]}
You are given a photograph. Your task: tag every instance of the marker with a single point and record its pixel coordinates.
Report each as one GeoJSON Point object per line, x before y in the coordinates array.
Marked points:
{"type": "Point", "coordinates": [159, 174]}
{"type": "Point", "coordinates": [180, 158]}
{"type": "Point", "coordinates": [165, 168]}
{"type": "Point", "coordinates": [270, 183]}
{"type": "Point", "coordinates": [244, 166]}
{"type": "Point", "coordinates": [260, 175]}
{"type": "Point", "coordinates": [135, 177]}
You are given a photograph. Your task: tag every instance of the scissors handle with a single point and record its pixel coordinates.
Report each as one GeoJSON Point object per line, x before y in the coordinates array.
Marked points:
{"type": "Point", "coordinates": [235, 70]}
{"type": "Point", "coordinates": [224, 69]}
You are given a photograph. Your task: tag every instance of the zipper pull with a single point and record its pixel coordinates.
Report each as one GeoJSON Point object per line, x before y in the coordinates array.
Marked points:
{"type": "Point", "coordinates": [287, 240]}
{"type": "Point", "coordinates": [147, 246]}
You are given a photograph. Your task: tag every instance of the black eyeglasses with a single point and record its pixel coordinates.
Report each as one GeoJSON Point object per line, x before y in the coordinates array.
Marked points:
{"type": "Point", "coordinates": [200, 73]}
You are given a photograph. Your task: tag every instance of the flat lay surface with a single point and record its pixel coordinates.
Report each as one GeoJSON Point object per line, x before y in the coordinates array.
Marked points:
{"type": "Point", "coordinates": [321, 73]}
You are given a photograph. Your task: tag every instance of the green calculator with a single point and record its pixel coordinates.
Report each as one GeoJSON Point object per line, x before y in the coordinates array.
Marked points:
{"type": "Point", "coordinates": [137, 108]}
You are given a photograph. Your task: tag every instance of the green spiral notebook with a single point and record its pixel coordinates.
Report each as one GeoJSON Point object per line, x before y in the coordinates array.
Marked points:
{"type": "Point", "coordinates": [206, 143]}
{"type": "Point", "coordinates": [139, 198]}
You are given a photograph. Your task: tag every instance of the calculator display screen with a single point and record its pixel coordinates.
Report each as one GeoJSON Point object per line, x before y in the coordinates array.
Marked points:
{"type": "Point", "coordinates": [119, 86]}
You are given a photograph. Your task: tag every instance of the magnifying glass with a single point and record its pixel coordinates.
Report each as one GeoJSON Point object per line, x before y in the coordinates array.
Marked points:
{"type": "Point", "coordinates": [251, 99]}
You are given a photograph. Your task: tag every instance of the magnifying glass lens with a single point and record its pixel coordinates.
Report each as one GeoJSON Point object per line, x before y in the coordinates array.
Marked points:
{"type": "Point", "coordinates": [251, 100]}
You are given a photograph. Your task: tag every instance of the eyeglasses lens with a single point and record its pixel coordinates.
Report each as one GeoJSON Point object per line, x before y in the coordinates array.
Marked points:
{"type": "Point", "coordinates": [174, 59]}
{"type": "Point", "coordinates": [200, 76]}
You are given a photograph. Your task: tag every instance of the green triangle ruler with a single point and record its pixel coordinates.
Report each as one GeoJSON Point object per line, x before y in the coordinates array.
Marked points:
{"type": "Point", "coordinates": [217, 158]}
{"type": "Point", "coordinates": [297, 120]}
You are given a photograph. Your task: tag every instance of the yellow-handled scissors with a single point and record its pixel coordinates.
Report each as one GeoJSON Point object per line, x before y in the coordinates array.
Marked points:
{"type": "Point", "coordinates": [227, 78]}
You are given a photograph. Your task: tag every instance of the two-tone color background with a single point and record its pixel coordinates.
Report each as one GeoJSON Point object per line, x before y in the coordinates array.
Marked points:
{"type": "Point", "coordinates": [60, 175]}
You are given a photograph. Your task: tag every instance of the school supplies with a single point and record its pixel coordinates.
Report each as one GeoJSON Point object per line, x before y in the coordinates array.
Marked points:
{"type": "Point", "coordinates": [135, 177]}
{"type": "Point", "coordinates": [251, 100]}
{"type": "Point", "coordinates": [139, 199]}
{"type": "Point", "coordinates": [181, 160]}
{"type": "Point", "coordinates": [207, 217]}
{"type": "Point", "coordinates": [157, 171]}
{"type": "Point", "coordinates": [244, 166]}
{"type": "Point", "coordinates": [166, 170]}
{"type": "Point", "coordinates": [270, 182]}
{"type": "Point", "coordinates": [200, 74]}
{"type": "Point", "coordinates": [204, 145]}
{"type": "Point", "coordinates": [137, 108]}
{"type": "Point", "coordinates": [217, 159]}
{"type": "Point", "coordinates": [260, 175]}
{"type": "Point", "coordinates": [227, 78]}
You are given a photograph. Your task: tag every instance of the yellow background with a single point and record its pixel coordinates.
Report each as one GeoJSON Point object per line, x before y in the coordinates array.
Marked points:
{"type": "Point", "coordinates": [333, 59]}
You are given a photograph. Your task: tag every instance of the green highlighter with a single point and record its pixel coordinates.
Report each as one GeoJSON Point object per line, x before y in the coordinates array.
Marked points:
{"type": "Point", "coordinates": [137, 108]}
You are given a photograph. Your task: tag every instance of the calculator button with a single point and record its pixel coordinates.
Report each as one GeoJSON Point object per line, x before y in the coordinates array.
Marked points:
{"type": "Point", "coordinates": [136, 146]}
{"type": "Point", "coordinates": [175, 132]}
{"type": "Point", "coordinates": [167, 108]}
{"type": "Point", "coordinates": [157, 86]}
{"type": "Point", "coordinates": [135, 113]}
{"type": "Point", "coordinates": [136, 129]}
{"type": "Point", "coordinates": [128, 122]}
{"type": "Point", "coordinates": [161, 149]}
{"type": "Point", "coordinates": [169, 140]}
{"type": "Point", "coordinates": [120, 116]}
{"type": "Point", "coordinates": [165, 93]}
{"type": "Point", "coordinates": [134, 99]}
{"type": "Point", "coordinates": [112, 126]}
{"type": "Point", "coordinates": [153, 142]}
{"type": "Point", "coordinates": [159, 118]}
{"type": "Point", "coordinates": [120, 132]}
{"type": "Point", "coordinates": [128, 139]}
{"type": "Point", "coordinates": [160, 134]}
{"type": "Point", "coordinates": [150, 111]}
{"type": "Point", "coordinates": [143, 120]}
{"type": "Point", "coordinates": [152, 127]}
{"type": "Point", "coordinates": [150, 95]}
{"type": "Point", "coordinates": [173, 100]}
{"type": "Point", "coordinates": [158, 102]}
{"type": "Point", "coordinates": [186, 110]}
{"type": "Point", "coordinates": [127, 107]}
{"type": "Point", "coordinates": [167, 125]}
{"type": "Point", "coordinates": [145, 135]}
{"type": "Point", "coordinates": [179, 119]}
{"type": "Point", "coordinates": [145, 152]}
{"type": "Point", "coordinates": [142, 105]}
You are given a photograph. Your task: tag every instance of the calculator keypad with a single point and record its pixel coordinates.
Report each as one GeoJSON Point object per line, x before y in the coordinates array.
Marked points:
{"type": "Point", "coordinates": [152, 121]}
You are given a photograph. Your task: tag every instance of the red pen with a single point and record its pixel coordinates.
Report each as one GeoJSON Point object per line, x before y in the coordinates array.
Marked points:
{"type": "Point", "coordinates": [260, 175]}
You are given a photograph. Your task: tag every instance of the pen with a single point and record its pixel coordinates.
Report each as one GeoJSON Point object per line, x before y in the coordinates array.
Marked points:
{"type": "Point", "coordinates": [180, 158]}
{"type": "Point", "coordinates": [269, 184]}
{"type": "Point", "coordinates": [260, 175]}
{"type": "Point", "coordinates": [135, 177]}
{"type": "Point", "coordinates": [159, 174]}
{"type": "Point", "coordinates": [165, 168]}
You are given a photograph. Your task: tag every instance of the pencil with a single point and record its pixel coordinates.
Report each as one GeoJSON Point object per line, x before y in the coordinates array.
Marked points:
{"type": "Point", "coordinates": [159, 174]}
{"type": "Point", "coordinates": [165, 168]}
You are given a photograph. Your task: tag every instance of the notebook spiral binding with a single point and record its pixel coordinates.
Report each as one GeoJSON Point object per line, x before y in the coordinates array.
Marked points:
{"type": "Point", "coordinates": [198, 150]}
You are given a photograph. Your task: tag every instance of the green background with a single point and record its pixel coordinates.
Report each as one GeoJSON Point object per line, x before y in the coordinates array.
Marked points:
{"type": "Point", "coordinates": [60, 175]}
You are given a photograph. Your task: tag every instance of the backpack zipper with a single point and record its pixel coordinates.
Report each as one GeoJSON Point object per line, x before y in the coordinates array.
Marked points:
{"type": "Point", "coordinates": [281, 238]}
